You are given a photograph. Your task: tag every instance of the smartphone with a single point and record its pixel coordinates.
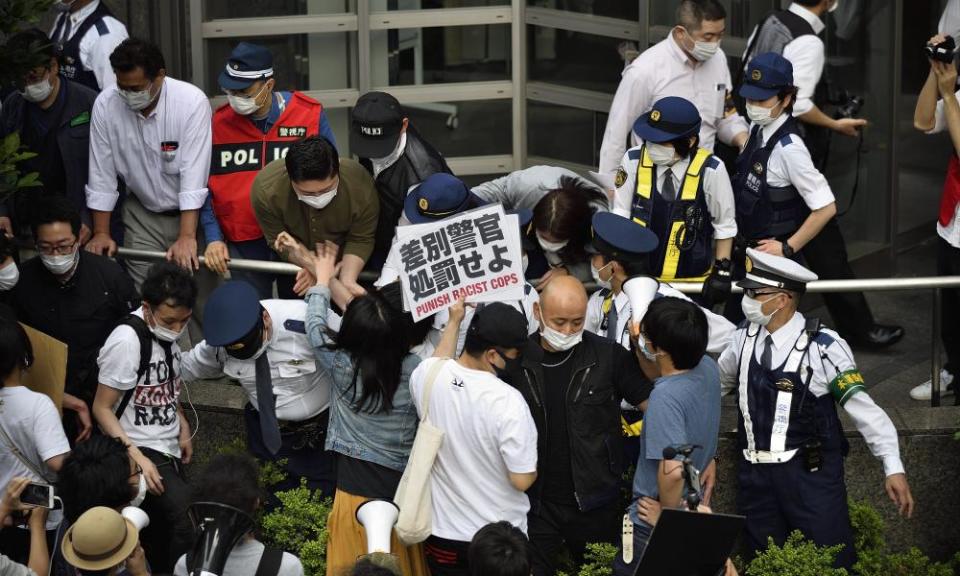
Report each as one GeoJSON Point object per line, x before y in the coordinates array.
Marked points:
{"type": "Point", "coordinates": [37, 494]}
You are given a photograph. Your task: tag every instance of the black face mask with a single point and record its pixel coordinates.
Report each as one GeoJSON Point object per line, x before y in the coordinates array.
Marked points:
{"type": "Point", "coordinates": [511, 366]}
{"type": "Point", "coordinates": [246, 347]}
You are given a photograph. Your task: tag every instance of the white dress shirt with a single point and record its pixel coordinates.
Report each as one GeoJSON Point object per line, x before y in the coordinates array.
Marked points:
{"type": "Point", "coordinates": [665, 70]}
{"type": "Point", "coordinates": [124, 143]}
{"type": "Point", "coordinates": [95, 49]}
{"type": "Point", "coordinates": [806, 53]}
{"type": "Point", "coordinates": [302, 391]}
{"type": "Point", "coordinates": [720, 330]}
{"type": "Point", "coordinates": [790, 164]}
{"type": "Point", "coordinates": [871, 421]}
{"type": "Point", "coordinates": [717, 191]}
{"type": "Point", "coordinates": [951, 232]}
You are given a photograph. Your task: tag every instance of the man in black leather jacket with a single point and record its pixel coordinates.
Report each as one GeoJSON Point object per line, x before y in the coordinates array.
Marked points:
{"type": "Point", "coordinates": [394, 153]}
{"type": "Point", "coordinates": [574, 393]}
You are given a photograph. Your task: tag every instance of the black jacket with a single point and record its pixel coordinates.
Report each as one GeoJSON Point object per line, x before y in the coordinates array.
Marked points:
{"type": "Point", "coordinates": [603, 374]}
{"type": "Point", "coordinates": [419, 160]}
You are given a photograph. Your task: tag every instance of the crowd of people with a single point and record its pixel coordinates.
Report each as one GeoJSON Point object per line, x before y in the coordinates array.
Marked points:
{"type": "Point", "coordinates": [543, 402]}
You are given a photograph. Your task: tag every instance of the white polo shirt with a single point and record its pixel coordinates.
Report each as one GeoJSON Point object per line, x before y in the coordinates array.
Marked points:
{"type": "Point", "coordinates": [95, 49]}
{"type": "Point", "coordinates": [125, 143]}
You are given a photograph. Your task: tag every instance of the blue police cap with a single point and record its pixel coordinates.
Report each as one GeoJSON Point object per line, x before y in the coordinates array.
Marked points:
{"type": "Point", "coordinates": [439, 196]}
{"type": "Point", "coordinates": [231, 312]}
{"type": "Point", "coordinates": [247, 64]}
{"type": "Point", "coordinates": [669, 119]}
{"type": "Point", "coordinates": [767, 74]}
{"type": "Point", "coordinates": [619, 238]}
{"type": "Point", "coordinates": [768, 271]}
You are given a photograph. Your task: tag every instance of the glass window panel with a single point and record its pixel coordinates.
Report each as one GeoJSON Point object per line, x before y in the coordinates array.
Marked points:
{"type": "Point", "coordinates": [624, 9]}
{"type": "Point", "coordinates": [573, 59]}
{"type": "Point", "coordinates": [417, 4]}
{"type": "Point", "coordinates": [217, 9]}
{"type": "Point", "coordinates": [567, 134]}
{"type": "Point", "coordinates": [464, 128]}
{"type": "Point", "coordinates": [300, 61]}
{"type": "Point", "coordinates": [440, 55]}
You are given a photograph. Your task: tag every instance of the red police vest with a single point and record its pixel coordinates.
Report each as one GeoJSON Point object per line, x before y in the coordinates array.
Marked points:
{"type": "Point", "coordinates": [240, 150]}
{"type": "Point", "coordinates": [951, 192]}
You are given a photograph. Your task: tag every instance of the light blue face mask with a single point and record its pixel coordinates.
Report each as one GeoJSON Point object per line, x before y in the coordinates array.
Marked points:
{"type": "Point", "coordinates": [651, 356]}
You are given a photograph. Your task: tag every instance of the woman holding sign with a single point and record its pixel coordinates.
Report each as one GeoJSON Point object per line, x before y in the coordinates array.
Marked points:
{"type": "Point", "coordinates": [372, 417]}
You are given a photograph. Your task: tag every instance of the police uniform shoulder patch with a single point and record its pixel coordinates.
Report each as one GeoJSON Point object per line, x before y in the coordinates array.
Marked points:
{"type": "Point", "coordinates": [620, 178]}
{"type": "Point", "coordinates": [846, 384]}
{"type": "Point", "coordinates": [655, 116]}
{"type": "Point", "coordinates": [80, 119]}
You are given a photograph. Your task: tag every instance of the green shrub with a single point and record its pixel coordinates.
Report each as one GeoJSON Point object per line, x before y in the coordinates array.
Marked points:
{"type": "Point", "coordinates": [597, 561]}
{"type": "Point", "coordinates": [271, 473]}
{"type": "Point", "coordinates": [873, 558]}
{"type": "Point", "coordinates": [299, 526]}
{"type": "Point", "coordinates": [797, 557]}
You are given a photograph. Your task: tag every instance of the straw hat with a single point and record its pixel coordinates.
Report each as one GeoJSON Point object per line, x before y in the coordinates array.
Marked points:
{"type": "Point", "coordinates": [101, 538]}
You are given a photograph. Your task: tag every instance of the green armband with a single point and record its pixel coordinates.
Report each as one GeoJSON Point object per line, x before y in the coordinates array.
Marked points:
{"type": "Point", "coordinates": [846, 384]}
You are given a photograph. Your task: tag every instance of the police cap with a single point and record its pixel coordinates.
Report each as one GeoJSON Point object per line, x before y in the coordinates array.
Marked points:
{"type": "Point", "coordinates": [669, 119]}
{"type": "Point", "coordinates": [767, 74]}
{"type": "Point", "coordinates": [247, 64]}
{"type": "Point", "coordinates": [769, 271]}
{"type": "Point", "coordinates": [440, 196]}
{"type": "Point", "coordinates": [231, 312]}
{"type": "Point", "coordinates": [621, 239]}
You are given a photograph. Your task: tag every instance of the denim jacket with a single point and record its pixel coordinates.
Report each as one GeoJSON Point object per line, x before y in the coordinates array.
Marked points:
{"type": "Point", "coordinates": [384, 438]}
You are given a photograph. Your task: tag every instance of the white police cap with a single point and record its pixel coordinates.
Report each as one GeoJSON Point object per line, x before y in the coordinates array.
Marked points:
{"type": "Point", "coordinates": [769, 271]}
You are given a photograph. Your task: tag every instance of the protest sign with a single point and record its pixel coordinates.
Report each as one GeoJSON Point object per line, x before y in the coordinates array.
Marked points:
{"type": "Point", "coordinates": [475, 255]}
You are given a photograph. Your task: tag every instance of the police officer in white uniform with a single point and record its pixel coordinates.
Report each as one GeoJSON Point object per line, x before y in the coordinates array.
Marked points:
{"type": "Point", "coordinates": [86, 33]}
{"type": "Point", "coordinates": [688, 63]}
{"type": "Point", "coordinates": [263, 345]}
{"type": "Point", "coordinates": [789, 374]}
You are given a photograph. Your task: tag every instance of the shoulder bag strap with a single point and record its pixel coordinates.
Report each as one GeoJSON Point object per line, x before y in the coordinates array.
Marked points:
{"type": "Point", "coordinates": [19, 454]}
{"type": "Point", "coordinates": [270, 562]}
{"type": "Point", "coordinates": [428, 385]}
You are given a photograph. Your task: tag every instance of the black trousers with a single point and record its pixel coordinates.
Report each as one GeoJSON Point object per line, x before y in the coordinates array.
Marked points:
{"type": "Point", "coordinates": [554, 527]}
{"type": "Point", "coordinates": [446, 557]}
{"type": "Point", "coordinates": [948, 264]}
{"type": "Point", "coordinates": [170, 533]}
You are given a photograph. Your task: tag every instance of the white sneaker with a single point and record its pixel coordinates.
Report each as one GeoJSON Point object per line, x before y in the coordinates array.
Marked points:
{"type": "Point", "coordinates": [925, 390]}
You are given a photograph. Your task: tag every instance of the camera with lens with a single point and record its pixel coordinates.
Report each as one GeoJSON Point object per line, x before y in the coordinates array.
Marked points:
{"type": "Point", "coordinates": [943, 52]}
{"type": "Point", "coordinates": [848, 105]}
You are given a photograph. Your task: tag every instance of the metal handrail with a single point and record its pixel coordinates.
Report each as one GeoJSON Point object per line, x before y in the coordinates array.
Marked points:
{"type": "Point", "coordinates": [935, 283]}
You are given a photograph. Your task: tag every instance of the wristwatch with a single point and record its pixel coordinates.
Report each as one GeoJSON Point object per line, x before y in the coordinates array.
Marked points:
{"type": "Point", "coordinates": [788, 251]}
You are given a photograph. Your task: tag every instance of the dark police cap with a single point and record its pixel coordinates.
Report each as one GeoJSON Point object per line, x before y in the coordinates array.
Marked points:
{"type": "Point", "coordinates": [232, 311]}
{"type": "Point", "coordinates": [766, 76]}
{"type": "Point", "coordinates": [500, 325]}
{"type": "Point", "coordinates": [669, 119]}
{"type": "Point", "coordinates": [375, 124]}
{"type": "Point", "coordinates": [440, 196]}
{"type": "Point", "coordinates": [247, 64]}
{"type": "Point", "coordinates": [619, 238]}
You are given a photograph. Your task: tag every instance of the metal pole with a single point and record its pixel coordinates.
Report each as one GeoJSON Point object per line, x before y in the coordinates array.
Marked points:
{"type": "Point", "coordinates": [935, 351]}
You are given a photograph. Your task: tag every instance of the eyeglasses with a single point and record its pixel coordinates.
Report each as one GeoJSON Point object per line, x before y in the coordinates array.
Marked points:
{"type": "Point", "coordinates": [61, 249]}
{"type": "Point", "coordinates": [752, 293]}
{"type": "Point", "coordinates": [138, 471]}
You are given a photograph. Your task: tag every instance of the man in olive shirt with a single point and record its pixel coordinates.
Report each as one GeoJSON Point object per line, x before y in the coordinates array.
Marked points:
{"type": "Point", "coordinates": [315, 196]}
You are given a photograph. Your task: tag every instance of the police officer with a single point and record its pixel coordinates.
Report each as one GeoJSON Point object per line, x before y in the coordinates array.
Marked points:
{"type": "Point", "coordinates": [255, 127]}
{"type": "Point", "coordinates": [621, 250]}
{"type": "Point", "coordinates": [784, 203]}
{"type": "Point", "coordinates": [682, 193]}
{"type": "Point", "coordinates": [790, 374]}
{"type": "Point", "coordinates": [263, 344]}
{"type": "Point", "coordinates": [86, 32]}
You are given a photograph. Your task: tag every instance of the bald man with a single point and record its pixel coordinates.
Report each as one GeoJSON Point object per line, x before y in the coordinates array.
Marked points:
{"type": "Point", "coordinates": [574, 392]}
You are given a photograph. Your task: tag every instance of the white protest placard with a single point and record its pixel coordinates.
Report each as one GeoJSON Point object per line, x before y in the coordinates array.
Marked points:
{"type": "Point", "coordinates": [475, 255]}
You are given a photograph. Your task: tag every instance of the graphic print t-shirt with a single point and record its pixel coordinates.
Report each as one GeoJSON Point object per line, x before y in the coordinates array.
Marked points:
{"type": "Point", "coordinates": [150, 419]}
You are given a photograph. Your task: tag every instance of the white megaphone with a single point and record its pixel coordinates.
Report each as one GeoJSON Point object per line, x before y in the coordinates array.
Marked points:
{"type": "Point", "coordinates": [378, 518]}
{"type": "Point", "coordinates": [136, 516]}
{"type": "Point", "coordinates": [640, 290]}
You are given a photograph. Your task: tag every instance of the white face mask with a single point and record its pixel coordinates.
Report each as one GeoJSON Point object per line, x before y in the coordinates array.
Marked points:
{"type": "Point", "coordinates": [551, 246]}
{"type": "Point", "coordinates": [661, 154]}
{"type": "Point", "coordinates": [137, 101]}
{"type": "Point", "coordinates": [558, 340]}
{"type": "Point", "coordinates": [702, 51]}
{"type": "Point", "coordinates": [319, 202]}
{"type": "Point", "coordinates": [753, 311]}
{"type": "Point", "coordinates": [759, 115]}
{"type": "Point", "coordinates": [163, 333]}
{"type": "Point", "coordinates": [60, 264]}
{"type": "Point", "coordinates": [9, 276]}
{"type": "Point", "coordinates": [37, 92]}
{"type": "Point", "coordinates": [596, 276]}
{"type": "Point", "coordinates": [141, 492]}
{"type": "Point", "coordinates": [245, 105]}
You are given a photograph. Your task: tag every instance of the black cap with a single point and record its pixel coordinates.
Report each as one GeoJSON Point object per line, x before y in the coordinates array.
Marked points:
{"type": "Point", "coordinates": [500, 326]}
{"type": "Point", "coordinates": [375, 125]}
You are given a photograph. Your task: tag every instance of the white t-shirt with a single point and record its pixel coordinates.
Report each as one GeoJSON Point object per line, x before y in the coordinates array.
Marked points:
{"type": "Point", "coordinates": [150, 419]}
{"type": "Point", "coordinates": [244, 560]}
{"type": "Point", "coordinates": [31, 421]}
{"type": "Point", "coordinates": [489, 433]}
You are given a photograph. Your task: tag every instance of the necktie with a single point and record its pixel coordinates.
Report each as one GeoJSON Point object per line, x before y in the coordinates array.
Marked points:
{"type": "Point", "coordinates": [612, 321]}
{"type": "Point", "coordinates": [267, 405]}
{"type": "Point", "coordinates": [62, 33]}
{"type": "Point", "coordinates": [669, 190]}
{"type": "Point", "coordinates": [766, 359]}
{"type": "Point", "coordinates": [754, 143]}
